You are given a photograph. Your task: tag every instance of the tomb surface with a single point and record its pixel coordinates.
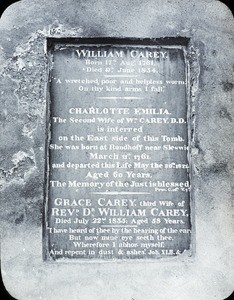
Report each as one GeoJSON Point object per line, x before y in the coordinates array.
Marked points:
{"type": "Point", "coordinates": [116, 154]}
{"type": "Point", "coordinates": [118, 174]}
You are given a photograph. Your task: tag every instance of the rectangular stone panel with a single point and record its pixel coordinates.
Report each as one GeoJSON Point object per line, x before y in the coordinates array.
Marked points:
{"type": "Point", "coordinates": [117, 169]}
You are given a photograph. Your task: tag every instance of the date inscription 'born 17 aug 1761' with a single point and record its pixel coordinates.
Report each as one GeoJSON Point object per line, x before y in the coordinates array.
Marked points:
{"type": "Point", "coordinates": [117, 169]}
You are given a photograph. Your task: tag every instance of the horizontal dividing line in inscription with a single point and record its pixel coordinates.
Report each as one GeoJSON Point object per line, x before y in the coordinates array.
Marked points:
{"type": "Point", "coordinates": [118, 225]}
{"type": "Point", "coordinates": [121, 193]}
{"type": "Point", "coordinates": [126, 98]}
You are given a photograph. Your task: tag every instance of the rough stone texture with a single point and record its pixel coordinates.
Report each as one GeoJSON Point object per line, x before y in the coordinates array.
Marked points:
{"type": "Point", "coordinates": [24, 26]}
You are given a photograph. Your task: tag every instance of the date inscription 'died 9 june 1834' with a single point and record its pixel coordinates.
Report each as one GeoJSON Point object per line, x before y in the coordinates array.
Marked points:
{"type": "Point", "coordinates": [117, 161]}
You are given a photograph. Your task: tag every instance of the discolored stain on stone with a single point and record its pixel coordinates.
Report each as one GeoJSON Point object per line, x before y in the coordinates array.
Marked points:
{"type": "Point", "coordinates": [19, 220]}
{"type": "Point", "coordinates": [224, 113]}
{"type": "Point", "coordinates": [214, 52]}
{"type": "Point", "coordinates": [33, 187]}
{"type": "Point", "coordinates": [216, 168]}
{"type": "Point", "coordinates": [197, 145]}
{"type": "Point", "coordinates": [227, 86]}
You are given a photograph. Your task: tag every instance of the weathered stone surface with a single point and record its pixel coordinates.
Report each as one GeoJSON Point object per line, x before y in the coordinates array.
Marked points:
{"type": "Point", "coordinates": [24, 28]}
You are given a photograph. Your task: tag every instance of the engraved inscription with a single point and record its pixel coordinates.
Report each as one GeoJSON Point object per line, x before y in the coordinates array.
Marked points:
{"type": "Point", "coordinates": [118, 172]}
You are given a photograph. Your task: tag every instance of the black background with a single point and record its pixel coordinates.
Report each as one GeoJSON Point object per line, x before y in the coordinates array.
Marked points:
{"type": "Point", "coordinates": [3, 5]}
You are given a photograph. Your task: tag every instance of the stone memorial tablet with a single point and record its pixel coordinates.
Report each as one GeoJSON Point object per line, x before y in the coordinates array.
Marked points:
{"type": "Point", "coordinates": [116, 163]}
{"type": "Point", "coordinates": [118, 151]}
